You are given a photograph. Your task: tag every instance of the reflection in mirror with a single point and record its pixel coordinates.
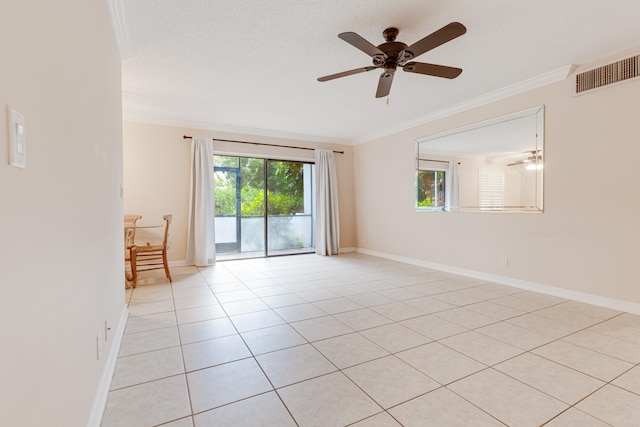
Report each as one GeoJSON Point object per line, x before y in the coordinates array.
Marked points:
{"type": "Point", "coordinates": [495, 166]}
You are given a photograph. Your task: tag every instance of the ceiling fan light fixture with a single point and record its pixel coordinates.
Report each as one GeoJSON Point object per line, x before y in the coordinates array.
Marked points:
{"type": "Point", "coordinates": [404, 57]}
{"type": "Point", "coordinates": [379, 60]}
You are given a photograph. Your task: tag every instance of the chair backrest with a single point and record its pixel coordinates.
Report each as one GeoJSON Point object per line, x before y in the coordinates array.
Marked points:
{"type": "Point", "coordinates": [167, 220]}
{"type": "Point", "coordinates": [130, 219]}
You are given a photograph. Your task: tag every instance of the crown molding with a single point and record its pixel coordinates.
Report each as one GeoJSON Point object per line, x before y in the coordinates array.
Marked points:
{"type": "Point", "coordinates": [535, 82]}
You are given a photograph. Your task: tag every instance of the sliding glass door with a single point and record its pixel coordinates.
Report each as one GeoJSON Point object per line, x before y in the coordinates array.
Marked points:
{"type": "Point", "coordinates": [258, 201]}
{"type": "Point", "coordinates": [289, 204]}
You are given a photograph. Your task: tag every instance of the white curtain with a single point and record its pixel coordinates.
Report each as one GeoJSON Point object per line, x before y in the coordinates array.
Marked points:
{"type": "Point", "coordinates": [201, 247]}
{"type": "Point", "coordinates": [451, 185]}
{"type": "Point", "coordinates": [327, 224]}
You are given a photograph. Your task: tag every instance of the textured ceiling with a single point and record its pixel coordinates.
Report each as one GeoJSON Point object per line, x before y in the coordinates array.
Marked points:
{"type": "Point", "coordinates": [251, 65]}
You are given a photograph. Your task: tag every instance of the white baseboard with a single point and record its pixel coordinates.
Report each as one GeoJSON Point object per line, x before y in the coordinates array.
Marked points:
{"type": "Point", "coordinates": [183, 263]}
{"type": "Point", "coordinates": [100, 400]}
{"type": "Point", "coordinates": [614, 304]}
{"type": "Point", "coordinates": [346, 250]}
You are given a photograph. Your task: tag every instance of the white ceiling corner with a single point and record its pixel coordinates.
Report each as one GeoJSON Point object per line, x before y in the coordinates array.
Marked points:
{"type": "Point", "coordinates": [251, 66]}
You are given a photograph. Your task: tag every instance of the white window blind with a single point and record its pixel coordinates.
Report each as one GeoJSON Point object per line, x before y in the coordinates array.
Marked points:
{"type": "Point", "coordinates": [490, 189]}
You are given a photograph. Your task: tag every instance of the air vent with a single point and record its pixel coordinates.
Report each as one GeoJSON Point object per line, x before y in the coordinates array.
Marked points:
{"type": "Point", "coordinates": [616, 72]}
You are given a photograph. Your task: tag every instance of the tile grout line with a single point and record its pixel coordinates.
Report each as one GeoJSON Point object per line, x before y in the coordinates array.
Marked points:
{"type": "Point", "coordinates": [397, 322]}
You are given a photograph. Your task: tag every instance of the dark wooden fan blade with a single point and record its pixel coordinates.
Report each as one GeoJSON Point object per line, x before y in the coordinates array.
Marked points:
{"type": "Point", "coordinates": [384, 84]}
{"type": "Point", "coordinates": [345, 73]}
{"type": "Point", "coordinates": [433, 70]}
{"type": "Point", "coordinates": [433, 40]}
{"type": "Point", "coordinates": [359, 42]}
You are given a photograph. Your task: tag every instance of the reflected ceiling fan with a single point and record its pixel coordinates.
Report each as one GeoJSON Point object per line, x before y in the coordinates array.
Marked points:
{"type": "Point", "coordinates": [534, 158]}
{"type": "Point", "coordinates": [392, 54]}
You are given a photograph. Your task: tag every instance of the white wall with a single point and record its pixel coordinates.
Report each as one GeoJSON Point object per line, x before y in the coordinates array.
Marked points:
{"type": "Point", "coordinates": [586, 241]}
{"type": "Point", "coordinates": [61, 250]}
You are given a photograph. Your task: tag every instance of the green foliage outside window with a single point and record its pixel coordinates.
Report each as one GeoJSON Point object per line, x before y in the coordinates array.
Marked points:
{"type": "Point", "coordinates": [285, 187]}
{"type": "Point", "coordinates": [430, 188]}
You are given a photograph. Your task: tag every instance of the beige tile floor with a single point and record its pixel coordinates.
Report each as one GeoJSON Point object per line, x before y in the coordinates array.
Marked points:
{"type": "Point", "coordinates": [357, 340]}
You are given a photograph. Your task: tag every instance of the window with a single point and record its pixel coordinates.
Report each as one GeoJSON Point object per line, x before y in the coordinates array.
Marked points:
{"type": "Point", "coordinates": [490, 189]}
{"type": "Point", "coordinates": [431, 189]}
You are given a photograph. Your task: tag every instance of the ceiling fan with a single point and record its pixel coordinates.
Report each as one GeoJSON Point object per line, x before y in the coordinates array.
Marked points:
{"type": "Point", "coordinates": [534, 158]}
{"type": "Point", "coordinates": [393, 54]}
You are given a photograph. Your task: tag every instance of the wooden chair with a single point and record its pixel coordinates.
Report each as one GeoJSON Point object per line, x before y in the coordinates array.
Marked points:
{"type": "Point", "coordinates": [151, 257]}
{"type": "Point", "coordinates": [131, 232]}
{"type": "Point", "coordinates": [129, 241]}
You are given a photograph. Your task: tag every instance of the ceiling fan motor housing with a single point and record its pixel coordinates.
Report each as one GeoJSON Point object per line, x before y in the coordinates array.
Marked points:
{"type": "Point", "coordinates": [391, 49]}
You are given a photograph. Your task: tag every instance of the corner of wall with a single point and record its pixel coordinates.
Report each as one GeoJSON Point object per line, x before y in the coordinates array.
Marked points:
{"type": "Point", "coordinates": [100, 401]}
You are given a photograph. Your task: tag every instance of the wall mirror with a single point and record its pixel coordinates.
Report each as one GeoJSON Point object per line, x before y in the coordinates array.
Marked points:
{"type": "Point", "coordinates": [491, 166]}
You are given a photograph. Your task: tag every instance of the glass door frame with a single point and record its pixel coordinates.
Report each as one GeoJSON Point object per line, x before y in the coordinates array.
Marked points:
{"type": "Point", "coordinates": [238, 214]}
{"type": "Point", "coordinates": [238, 206]}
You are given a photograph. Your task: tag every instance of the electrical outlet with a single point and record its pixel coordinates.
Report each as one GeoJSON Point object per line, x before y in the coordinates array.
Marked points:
{"type": "Point", "coordinates": [17, 142]}
{"type": "Point", "coordinates": [99, 345]}
{"type": "Point", "coordinates": [504, 262]}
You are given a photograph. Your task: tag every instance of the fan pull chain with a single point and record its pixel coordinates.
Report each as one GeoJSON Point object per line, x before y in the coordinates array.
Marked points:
{"type": "Point", "coordinates": [387, 100]}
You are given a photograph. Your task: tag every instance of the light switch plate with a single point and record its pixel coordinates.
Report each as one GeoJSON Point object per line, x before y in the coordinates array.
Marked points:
{"type": "Point", "coordinates": [17, 142]}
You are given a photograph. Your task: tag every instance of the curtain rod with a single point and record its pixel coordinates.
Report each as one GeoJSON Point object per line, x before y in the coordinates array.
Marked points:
{"type": "Point", "coordinates": [261, 143]}
{"type": "Point", "coordinates": [433, 160]}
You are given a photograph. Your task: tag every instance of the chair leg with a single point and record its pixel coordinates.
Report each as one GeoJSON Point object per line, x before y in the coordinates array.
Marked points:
{"type": "Point", "coordinates": [166, 265]}
{"type": "Point", "coordinates": [134, 273]}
